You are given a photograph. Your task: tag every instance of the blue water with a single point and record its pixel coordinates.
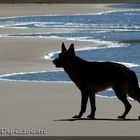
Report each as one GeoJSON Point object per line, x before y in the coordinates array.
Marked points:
{"type": "Point", "coordinates": [117, 33]}
{"type": "Point", "coordinates": [104, 26]}
{"type": "Point", "coordinates": [40, 76]}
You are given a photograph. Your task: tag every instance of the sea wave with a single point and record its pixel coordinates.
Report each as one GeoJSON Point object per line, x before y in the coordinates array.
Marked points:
{"type": "Point", "coordinates": [101, 45]}
{"type": "Point", "coordinates": [33, 77]}
{"type": "Point", "coordinates": [96, 28]}
{"type": "Point", "coordinates": [40, 76]}
{"type": "Point", "coordinates": [89, 20]}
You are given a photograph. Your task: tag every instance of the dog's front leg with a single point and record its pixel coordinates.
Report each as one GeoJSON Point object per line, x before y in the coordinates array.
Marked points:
{"type": "Point", "coordinates": [93, 106]}
{"type": "Point", "coordinates": [84, 99]}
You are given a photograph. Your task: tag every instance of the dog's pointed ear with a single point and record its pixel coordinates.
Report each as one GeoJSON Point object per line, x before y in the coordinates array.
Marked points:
{"type": "Point", "coordinates": [63, 48]}
{"type": "Point", "coordinates": [71, 49]}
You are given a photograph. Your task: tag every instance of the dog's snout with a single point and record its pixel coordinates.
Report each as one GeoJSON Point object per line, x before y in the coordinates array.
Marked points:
{"type": "Point", "coordinates": [53, 61]}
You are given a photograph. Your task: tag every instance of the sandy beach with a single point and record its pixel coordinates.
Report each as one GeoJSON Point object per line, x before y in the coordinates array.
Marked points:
{"type": "Point", "coordinates": [50, 106]}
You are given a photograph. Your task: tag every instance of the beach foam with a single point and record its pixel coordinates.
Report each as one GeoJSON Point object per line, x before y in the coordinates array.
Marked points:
{"type": "Point", "coordinates": [100, 44]}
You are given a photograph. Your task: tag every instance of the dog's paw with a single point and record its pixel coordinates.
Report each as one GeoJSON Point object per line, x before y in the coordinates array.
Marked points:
{"type": "Point", "coordinates": [121, 117]}
{"type": "Point", "coordinates": [76, 117]}
{"type": "Point", "coordinates": [91, 117]}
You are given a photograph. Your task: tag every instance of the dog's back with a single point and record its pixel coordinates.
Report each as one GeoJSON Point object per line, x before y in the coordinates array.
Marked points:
{"type": "Point", "coordinates": [99, 76]}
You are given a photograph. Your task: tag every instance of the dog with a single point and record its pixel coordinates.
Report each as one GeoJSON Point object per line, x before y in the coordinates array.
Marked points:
{"type": "Point", "coordinates": [92, 77]}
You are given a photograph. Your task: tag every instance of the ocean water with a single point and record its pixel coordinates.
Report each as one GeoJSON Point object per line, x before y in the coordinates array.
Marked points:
{"type": "Point", "coordinates": [117, 34]}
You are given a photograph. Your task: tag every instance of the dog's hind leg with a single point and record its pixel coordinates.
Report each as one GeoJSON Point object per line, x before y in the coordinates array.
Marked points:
{"type": "Point", "coordinates": [135, 94]}
{"type": "Point", "coordinates": [122, 96]}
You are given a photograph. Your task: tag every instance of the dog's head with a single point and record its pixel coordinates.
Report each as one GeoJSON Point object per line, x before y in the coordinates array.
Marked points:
{"type": "Point", "coordinates": [65, 57]}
